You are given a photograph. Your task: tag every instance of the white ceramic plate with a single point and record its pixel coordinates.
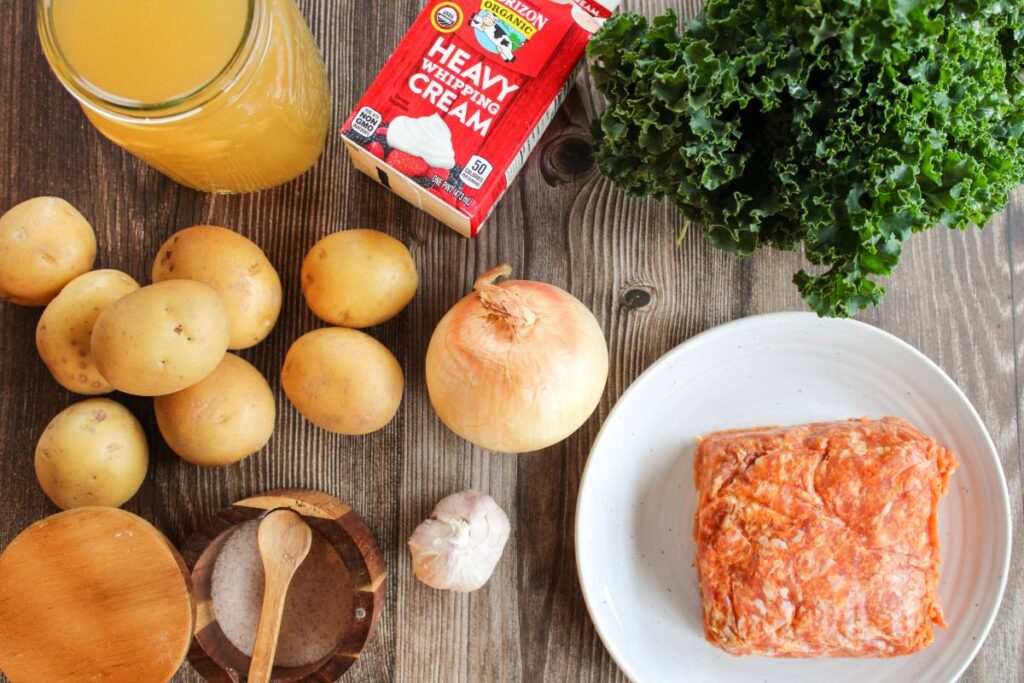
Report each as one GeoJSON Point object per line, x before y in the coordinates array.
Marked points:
{"type": "Point", "coordinates": [634, 519]}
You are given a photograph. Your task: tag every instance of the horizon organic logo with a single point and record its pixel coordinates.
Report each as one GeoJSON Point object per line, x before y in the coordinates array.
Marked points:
{"type": "Point", "coordinates": [520, 15]}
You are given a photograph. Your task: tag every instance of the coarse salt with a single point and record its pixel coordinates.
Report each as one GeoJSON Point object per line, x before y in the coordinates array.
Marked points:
{"type": "Point", "coordinates": [318, 608]}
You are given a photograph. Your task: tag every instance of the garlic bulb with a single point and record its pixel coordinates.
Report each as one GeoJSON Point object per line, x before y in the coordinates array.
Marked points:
{"type": "Point", "coordinates": [459, 546]}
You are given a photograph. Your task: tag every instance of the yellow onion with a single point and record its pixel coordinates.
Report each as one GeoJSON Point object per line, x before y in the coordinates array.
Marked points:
{"type": "Point", "coordinates": [516, 366]}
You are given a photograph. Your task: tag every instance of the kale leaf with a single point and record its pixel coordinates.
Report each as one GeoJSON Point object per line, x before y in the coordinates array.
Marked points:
{"type": "Point", "coordinates": [838, 126]}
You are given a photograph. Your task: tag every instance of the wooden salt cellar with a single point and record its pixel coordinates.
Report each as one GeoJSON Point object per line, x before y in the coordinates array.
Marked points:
{"type": "Point", "coordinates": [213, 655]}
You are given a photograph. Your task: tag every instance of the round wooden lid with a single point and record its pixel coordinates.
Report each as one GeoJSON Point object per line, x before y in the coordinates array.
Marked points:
{"type": "Point", "coordinates": [93, 594]}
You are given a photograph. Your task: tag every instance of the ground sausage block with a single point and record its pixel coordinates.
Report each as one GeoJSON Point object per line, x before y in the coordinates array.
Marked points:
{"type": "Point", "coordinates": [820, 540]}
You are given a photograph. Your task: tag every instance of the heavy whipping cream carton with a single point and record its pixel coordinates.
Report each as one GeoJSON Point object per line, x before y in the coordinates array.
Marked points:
{"type": "Point", "coordinates": [451, 118]}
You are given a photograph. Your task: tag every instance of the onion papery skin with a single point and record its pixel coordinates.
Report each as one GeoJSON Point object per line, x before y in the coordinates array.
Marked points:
{"type": "Point", "coordinates": [517, 392]}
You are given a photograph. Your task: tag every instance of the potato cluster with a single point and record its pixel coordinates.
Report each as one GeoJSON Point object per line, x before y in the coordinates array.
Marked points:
{"type": "Point", "coordinates": [213, 290]}
{"type": "Point", "coordinates": [341, 379]}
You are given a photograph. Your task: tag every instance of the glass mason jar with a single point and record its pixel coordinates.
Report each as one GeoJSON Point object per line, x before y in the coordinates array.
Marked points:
{"type": "Point", "coordinates": [260, 121]}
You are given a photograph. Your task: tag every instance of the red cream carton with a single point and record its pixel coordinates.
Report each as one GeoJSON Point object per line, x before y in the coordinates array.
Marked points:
{"type": "Point", "coordinates": [450, 120]}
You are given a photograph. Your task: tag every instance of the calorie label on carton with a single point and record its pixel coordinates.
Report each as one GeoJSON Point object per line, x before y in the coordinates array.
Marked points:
{"type": "Point", "coordinates": [450, 119]}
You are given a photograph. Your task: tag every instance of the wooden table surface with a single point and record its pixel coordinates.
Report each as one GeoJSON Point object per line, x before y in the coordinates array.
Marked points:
{"type": "Point", "coordinates": [959, 297]}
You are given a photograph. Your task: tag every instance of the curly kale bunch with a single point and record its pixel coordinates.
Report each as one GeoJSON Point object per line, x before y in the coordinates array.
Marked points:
{"type": "Point", "coordinates": [841, 126]}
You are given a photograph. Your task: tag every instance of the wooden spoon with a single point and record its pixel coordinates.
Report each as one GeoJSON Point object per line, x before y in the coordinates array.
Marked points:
{"type": "Point", "coordinates": [283, 539]}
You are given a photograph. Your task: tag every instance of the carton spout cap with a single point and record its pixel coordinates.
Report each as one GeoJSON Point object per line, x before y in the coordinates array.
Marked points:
{"type": "Point", "coordinates": [594, 7]}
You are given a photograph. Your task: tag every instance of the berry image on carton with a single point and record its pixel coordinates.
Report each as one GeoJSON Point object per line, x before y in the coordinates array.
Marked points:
{"type": "Point", "coordinates": [451, 118]}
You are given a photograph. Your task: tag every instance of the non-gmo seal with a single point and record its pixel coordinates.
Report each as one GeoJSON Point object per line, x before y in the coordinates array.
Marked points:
{"type": "Point", "coordinates": [447, 17]}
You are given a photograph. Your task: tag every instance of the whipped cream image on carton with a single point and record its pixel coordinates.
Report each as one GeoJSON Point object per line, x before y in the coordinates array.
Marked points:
{"type": "Point", "coordinates": [449, 121]}
{"type": "Point", "coordinates": [428, 137]}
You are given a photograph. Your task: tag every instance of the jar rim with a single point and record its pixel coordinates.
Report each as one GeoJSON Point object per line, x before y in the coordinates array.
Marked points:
{"type": "Point", "coordinates": [111, 105]}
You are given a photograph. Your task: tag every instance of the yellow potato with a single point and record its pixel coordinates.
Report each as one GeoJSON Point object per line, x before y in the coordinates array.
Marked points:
{"type": "Point", "coordinates": [358, 278]}
{"type": "Point", "coordinates": [226, 417]}
{"type": "Point", "coordinates": [343, 380]}
{"type": "Point", "coordinates": [64, 333]}
{"type": "Point", "coordinates": [162, 338]}
{"type": "Point", "coordinates": [93, 453]}
{"type": "Point", "coordinates": [235, 268]}
{"type": "Point", "coordinates": [44, 244]}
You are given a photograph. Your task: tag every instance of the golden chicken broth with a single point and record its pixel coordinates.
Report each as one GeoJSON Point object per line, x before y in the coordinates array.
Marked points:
{"type": "Point", "coordinates": [149, 51]}
{"type": "Point", "coordinates": [215, 99]}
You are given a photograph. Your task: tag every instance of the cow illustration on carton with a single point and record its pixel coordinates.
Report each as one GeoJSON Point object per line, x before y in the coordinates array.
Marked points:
{"type": "Point", "coordinates": [493, 30]}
